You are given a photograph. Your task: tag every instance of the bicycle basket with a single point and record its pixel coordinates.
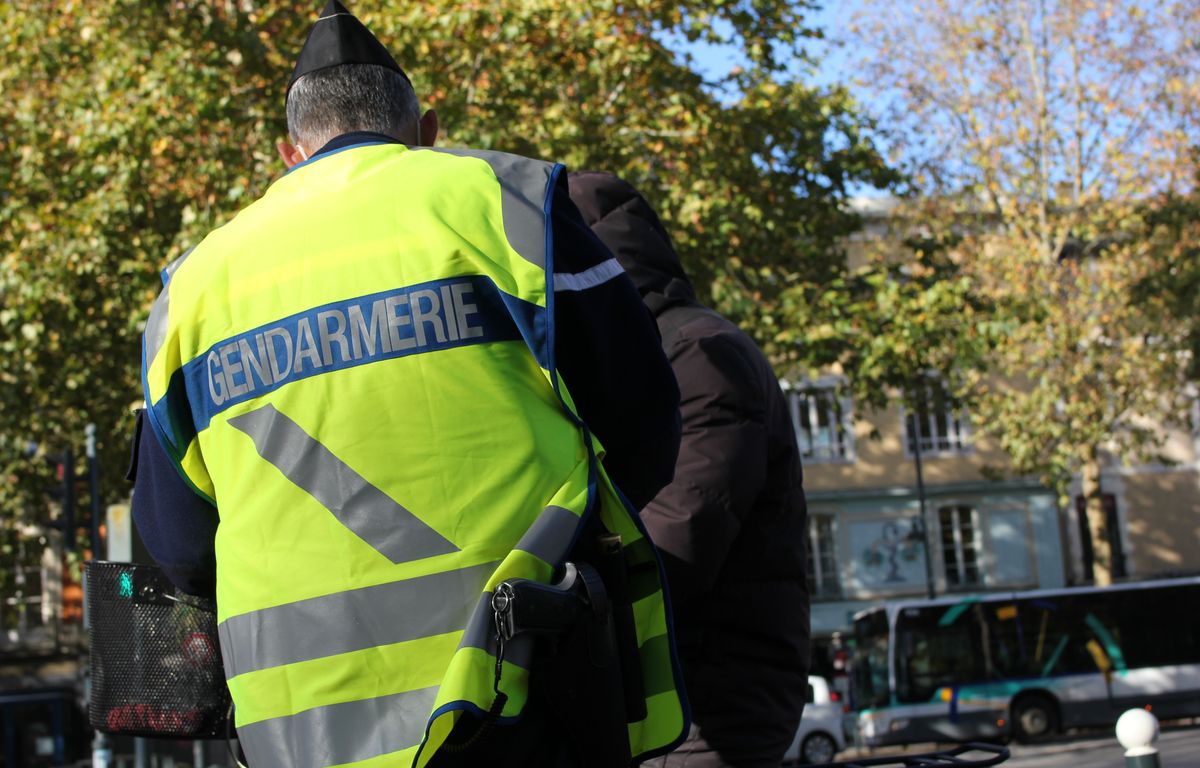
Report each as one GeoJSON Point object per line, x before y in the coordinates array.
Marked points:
{"type": "Point", "coordinates": [156, 665]}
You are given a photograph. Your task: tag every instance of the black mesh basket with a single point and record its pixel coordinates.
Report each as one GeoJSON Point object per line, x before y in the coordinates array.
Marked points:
{"type": "Point", "coordinates": [156, 666]}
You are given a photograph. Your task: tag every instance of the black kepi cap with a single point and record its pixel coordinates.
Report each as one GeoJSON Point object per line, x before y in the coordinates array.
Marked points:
{"type": "Point", "coordinates": [336, 38]}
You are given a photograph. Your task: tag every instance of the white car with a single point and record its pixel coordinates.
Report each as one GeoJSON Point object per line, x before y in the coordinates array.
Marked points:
{"type": "Point", "coordinates": [819, 737]}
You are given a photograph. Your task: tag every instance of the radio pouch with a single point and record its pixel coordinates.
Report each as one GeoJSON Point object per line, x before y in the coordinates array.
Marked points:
{"type": "Point", "coordinates": [576, 668]}
{"type": "Point", "coordinates": [155, 663]}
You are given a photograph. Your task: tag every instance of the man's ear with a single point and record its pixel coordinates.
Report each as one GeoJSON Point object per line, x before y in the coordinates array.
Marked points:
{"type": "Point", "coordinates": [429, 129]}
{"type": "Point", "coordinates": [292, 155]}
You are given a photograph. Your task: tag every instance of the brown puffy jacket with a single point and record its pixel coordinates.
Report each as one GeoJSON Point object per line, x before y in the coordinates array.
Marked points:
{"type": "Point", "coordinates": [731, 526]}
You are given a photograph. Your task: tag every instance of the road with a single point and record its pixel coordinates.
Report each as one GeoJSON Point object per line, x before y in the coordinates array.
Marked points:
{"type": "Point", "coordinates": [1179, 747]}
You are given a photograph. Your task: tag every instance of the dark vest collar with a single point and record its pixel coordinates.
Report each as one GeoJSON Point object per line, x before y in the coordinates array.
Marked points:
{"type": "Point", "coordinates": [347, 141]}
{"type": "Point", "coordinates": [353, 139]}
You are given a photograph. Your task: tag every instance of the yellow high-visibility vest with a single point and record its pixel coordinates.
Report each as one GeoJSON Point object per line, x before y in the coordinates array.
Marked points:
{"type": "Point", "coordinates": [358, 371]}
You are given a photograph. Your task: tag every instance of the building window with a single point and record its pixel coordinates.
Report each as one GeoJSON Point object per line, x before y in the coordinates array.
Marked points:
{"type": "Point", "coordinates": [959, 526]}
{"type": "Point", "coordinates": [943, 422]}
{"type": "Point", "coordinates": [822, 422]}
{"type": "Point", "coordinates": [823, 580]}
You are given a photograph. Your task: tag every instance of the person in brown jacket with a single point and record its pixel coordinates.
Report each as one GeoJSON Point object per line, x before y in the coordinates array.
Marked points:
{"type": "Point", "coordinates": [731, 526]}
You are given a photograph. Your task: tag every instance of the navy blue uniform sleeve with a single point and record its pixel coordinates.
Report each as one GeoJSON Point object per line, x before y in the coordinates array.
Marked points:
{"type": "Point", "coordinates": [177, 526]}
{"type": "Point", "coordinates": [610, 355]}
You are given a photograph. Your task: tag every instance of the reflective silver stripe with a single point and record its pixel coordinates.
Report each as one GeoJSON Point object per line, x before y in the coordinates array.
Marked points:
{"type": "Point", "coordinates": [481, 634]}
{"type": "Point", "coordinates": [548, 538]}
{"type": "Point", "coordinates": [589, 278]}
{"type": "Point", "coordinates": [156, 323]}
{"type": "Point", "coordinates": [550, 535]}
{"type": "Point", "coordinates": [156, 328]}
{"type": "Point", "coordinates": [351, 621]}
{"type": "Point", "coordinates": [339, 733]}
{"type": "Point", "coordinates": [523, 190]}
{"type": "Point", "coordinates": [366, 510]}
{"type": "Point", "coordinates": [169, 272]}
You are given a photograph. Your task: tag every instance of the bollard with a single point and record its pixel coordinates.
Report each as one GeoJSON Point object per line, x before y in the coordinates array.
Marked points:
{"type": "Point", "coordinates": [1137, 730]}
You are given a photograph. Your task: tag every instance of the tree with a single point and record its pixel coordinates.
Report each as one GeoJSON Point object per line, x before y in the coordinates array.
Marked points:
{"type": "Point", "coordinates": [128, 130]}
{"type": "Point", "coordinates": [1036, 131]}
{"type": "Point", "coordinates": [907, 313]}
{"type": "Point", "coordinates": [749, 172]}
{"type": "Point", "coordinates": [1174, 288]}
{"type": "Point", "coordinates": [131, 129]}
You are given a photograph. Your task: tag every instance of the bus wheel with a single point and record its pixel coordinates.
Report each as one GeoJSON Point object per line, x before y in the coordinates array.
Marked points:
{"type": "Point", "coordinates": [1034, 718]}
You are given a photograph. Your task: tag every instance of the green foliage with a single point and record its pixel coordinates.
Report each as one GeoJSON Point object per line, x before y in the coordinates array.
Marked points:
{"type": "Point", "coordinates": [1172, 290]}
{"type": "Point", "coordinates": [890, 323]}
{"type": "Point", "coordinates": [749, 172]}
{"type": "Point", "coordinates": [1040, 133]}
{"type": "Point", "coordinates": [128, 132]}
{"type": "Point", "coordinates": [131, 129]}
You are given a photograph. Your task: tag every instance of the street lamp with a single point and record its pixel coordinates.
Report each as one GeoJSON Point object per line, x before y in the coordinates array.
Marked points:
{"type": "Point", "coordinates": [924, 532]}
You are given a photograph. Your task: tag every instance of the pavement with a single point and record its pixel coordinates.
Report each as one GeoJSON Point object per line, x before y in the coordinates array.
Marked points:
{"type": "Point", "coordinates": [1178, 746]}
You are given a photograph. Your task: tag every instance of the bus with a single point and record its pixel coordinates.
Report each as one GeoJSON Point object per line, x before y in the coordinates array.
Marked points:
{"type": "Point", "coordinates": [1025, 664]}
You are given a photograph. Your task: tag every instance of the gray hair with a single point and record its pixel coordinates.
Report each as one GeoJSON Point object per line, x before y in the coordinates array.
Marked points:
{"type": "Point", "coordinates": [351, 97]}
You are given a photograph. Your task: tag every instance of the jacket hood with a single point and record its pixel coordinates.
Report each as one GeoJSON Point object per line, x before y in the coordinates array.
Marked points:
{"type": "Point", "coordinates": [626, 223]}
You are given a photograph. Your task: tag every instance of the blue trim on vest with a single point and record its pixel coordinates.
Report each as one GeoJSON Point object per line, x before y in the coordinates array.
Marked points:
{"type": "Point", "coordinates": [309, 346]}
{"type": "Point", "coordinates": [533, 324]}
{"type": "Point", "coordinates": [332, 152]}
{"type": "Point", "coordinates": [551, 335]}
{"type": "Point", "coordinates": [685, 705]}
{"type": "Point", "coordinates": [462, 705]}
{"type": "Point", "coordinates": [167, 408]}
{"type": "Point", "coordinates": [164, 414]}
{"type": "Point", "coordinates": [593, 491]}
{"type": "Point", "coordinates": [355, 137]}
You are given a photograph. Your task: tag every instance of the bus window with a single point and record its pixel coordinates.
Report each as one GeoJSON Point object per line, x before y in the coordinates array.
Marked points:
{"type": "Point", "coordinates": [870, 668]}
{"type": "Point", "coordinates": [1062, 636]}
{"type": "Point", "coordinates": [1012, 638]}
{"type": "Point", "coordinates": [1052, 636]}
{"type": "Point", "coordinates": [1158, 627]}
{"type": "Point", "coordinates": [933, 652]}
{"type": "Point", "coordinates": [1108, 634]}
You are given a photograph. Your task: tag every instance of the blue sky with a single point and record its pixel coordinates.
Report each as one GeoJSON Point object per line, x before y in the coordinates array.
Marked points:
{"type": "Point", "coordinates": [834, 64]}
{"type": "Point", "coordinates": [834, 19]}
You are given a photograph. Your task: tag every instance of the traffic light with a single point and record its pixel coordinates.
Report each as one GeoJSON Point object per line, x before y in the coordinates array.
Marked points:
{"type": "Point", "coordinates": [63, 491]}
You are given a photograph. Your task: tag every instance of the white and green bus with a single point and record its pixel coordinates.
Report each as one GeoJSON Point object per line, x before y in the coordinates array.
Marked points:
{"type": "Point", "coordinates": [1025, 664]}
